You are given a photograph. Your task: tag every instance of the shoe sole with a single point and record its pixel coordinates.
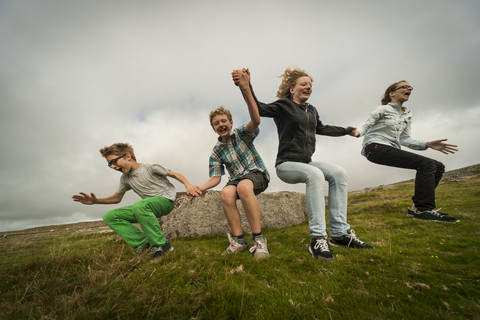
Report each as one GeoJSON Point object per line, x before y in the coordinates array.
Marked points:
{"type": "Point", "coordinates": [319, 257]}
{"type": "Point", "coordinates": [344, 246]}
{"type": "Point", "coordinates": [437, 220]}
{"type": "Point", "coordinates": [238, 251]}
{"type": "Point", "coordinates": [261, 257]}
{"type": "Point", "coordinates": [411, 214]}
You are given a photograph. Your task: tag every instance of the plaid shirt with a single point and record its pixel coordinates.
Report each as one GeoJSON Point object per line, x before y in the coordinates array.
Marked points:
{"type": "Point", "coordinates": [238, 155]}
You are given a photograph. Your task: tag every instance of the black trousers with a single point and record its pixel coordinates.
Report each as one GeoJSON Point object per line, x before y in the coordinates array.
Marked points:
{"type": "Point", "coordinates": [429, 171]}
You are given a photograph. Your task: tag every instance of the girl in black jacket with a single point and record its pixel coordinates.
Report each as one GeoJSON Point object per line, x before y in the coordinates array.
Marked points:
{"type": "Point", "coordinates": [298, 124]}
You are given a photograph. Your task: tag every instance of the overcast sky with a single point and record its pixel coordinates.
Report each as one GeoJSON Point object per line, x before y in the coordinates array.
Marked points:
{"type": "Point", "coordinates": [78, 75]}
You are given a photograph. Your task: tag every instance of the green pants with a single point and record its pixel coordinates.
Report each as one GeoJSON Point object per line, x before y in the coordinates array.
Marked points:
{"type": "Point", "coordinates": [146, 212]}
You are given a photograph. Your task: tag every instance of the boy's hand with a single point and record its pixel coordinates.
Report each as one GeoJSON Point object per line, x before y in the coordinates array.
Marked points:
{"type": "Point", "coordinates": [241, 77]}
{"type": "Point", "coordinates": [85, 198]}
{"type": "Point", "coordinates": [193, 191]}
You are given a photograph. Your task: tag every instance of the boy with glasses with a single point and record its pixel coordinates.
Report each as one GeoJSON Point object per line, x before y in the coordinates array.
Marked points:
{"type": "Point", "coordinates": [150, 182]}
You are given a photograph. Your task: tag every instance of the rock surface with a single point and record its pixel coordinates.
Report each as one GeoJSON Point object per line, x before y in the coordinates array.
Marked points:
{"type": "Point", "coordinates": [204, 215]}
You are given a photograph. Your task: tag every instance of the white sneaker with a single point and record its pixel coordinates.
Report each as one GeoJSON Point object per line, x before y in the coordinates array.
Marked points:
{"type": "Point", "coordinates": [260, 249]}
{"type": "Point", "coordinates": [234, 246]}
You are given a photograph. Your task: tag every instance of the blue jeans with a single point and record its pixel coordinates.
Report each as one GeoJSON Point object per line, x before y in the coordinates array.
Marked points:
{"type": "Point", "coordinates": [314, 175]}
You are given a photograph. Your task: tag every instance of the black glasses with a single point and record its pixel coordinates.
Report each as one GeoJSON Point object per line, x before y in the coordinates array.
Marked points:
{"type": "Point", "coordinates": [114, 161]}
{"type": "Point", "coordinates": [404, 87]}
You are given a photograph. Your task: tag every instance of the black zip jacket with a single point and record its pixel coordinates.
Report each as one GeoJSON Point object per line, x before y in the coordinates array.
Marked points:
{"type": "Point", "coordinates": [297, 126]}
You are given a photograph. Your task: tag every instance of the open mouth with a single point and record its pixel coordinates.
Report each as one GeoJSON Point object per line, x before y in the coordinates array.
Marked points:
{"type": "Point", "coordinates": [222, 130]}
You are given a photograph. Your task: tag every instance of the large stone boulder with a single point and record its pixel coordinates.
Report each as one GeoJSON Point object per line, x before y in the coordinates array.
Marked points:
{"type": "Point", "coordinates": [204, 215]}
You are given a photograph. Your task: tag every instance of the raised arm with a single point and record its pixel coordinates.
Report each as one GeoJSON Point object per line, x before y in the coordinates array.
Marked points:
{"type": "Point", "coordinates": [241, 78]}
{"type": "Point", "coordinates": [91, 199]}
{"type": "Point", "coordinates": [191, 189]}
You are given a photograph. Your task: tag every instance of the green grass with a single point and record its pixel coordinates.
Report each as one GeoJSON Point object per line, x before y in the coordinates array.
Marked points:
{"type": "Point", "coordinates": [419, 269]}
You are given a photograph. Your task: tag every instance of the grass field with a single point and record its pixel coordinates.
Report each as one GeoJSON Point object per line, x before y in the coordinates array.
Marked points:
{"type": "Point", "coordinates": [419, 270]}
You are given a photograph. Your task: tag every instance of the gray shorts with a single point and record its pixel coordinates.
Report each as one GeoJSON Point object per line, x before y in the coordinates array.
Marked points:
{"type": "Point", "coordinates": [260, 182]}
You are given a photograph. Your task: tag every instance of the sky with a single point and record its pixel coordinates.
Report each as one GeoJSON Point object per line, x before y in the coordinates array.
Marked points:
{"type": "Point", "coordinates": [76, 76]}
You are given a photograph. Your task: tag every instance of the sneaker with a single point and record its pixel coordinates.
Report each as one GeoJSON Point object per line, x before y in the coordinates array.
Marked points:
{"type": "Point", "coordinates": [159, 251]}
{"type": "Point", "coordinates": [434, 215]}
{"type": "Point", "coordinates": [349, 240]}
{"type": "Point", "coordinates": [259, 248]}
{"type": "Point", "coordinates": [411, 212]}
{"type": "Point", "coordinates": [234, 246]}
{"type": "Point", "coordinates": [144, 248]}
{"type": "Point", "coordinates": [319, 248]}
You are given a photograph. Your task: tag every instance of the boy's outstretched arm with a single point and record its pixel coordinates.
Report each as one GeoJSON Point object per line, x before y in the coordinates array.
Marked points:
{"type": "Point", "coordinates": [210, 183]}
{"type": "Point", "coordinates": [91, 199]}
{"type": "Point", "coordinates": [242, 79]}
{"type": "Point", "coordinates": [191, 189]}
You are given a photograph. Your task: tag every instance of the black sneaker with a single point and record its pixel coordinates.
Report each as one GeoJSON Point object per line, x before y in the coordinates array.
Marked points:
{"type": "Point", "coordinates": [350, 240]}
{"type": "Point", "coordinates": [319, 248]}
{"type": "Point", "coordinates": [433, 215]}
{"type": "Point", "coordinates": [411, 212]}
{"type": "Point", "coordinates": [160, 251]}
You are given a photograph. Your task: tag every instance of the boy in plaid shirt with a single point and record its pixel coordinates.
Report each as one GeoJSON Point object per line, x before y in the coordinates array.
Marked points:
{"type": "Point", "coordinates": [248, 175]}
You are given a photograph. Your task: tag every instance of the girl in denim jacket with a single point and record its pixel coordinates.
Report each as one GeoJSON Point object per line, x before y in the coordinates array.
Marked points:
{"type": "Point", "coordinates": [386, 131]}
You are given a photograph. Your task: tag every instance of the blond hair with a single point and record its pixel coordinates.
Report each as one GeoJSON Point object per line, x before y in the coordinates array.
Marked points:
{"type": "Point", "coordinates": [220, 111]}
{"type": "Point", "coordinates": [118, 149]}
{"type": "Point", "coordinates": [289, 80]}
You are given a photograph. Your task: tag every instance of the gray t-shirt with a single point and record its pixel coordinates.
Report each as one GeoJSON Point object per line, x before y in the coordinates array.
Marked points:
{"type": "Point", "coordinates": [150, 180]}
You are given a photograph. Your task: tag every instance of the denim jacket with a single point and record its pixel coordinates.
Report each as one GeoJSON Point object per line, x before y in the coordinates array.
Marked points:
{"type": "Point", "coordinates": [386, 125]}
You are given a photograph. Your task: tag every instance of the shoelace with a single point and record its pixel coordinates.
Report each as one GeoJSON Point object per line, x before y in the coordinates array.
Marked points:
{"type": "Point", "coordinates": [322, 244]}
{"type": "Point", "coordinates": [354, 238]}
{"type": "Point", "coordinates": [234, 245]}
{"type": "Point", "coordinates": [259, 247]}
{"type": "Point", "coordinates": [436, 212]}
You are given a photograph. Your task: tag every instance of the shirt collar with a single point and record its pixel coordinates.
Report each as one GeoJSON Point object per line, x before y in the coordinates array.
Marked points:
{"type": "Point", "coordinates": [397, 107]}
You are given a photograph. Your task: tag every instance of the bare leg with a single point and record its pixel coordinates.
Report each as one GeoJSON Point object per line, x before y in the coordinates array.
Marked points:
{"type": "Point", "coordinates": [229, 198]}
{"type": "Point", "coordinates": [250, 204]}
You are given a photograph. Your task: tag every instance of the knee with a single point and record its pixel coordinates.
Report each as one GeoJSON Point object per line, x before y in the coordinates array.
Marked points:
{"type": "Point", "coordinates": [109, 217]}
{"type": "Point", "coordinates": [440, 167]}
{"type": "Point", "coordinates": [337, 175]}
{"type": "Point", "coordinates": [341, 173]}
{"type": "Point", "coordinates": [315, 176]}
{"type": "Point", "coordinates": [229, 195]}
{"type": "Point", "coordinates": [245, 189]}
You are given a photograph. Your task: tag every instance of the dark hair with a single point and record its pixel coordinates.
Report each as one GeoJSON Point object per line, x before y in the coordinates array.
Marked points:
{"type": "Point", "coordinates": [386, 97]}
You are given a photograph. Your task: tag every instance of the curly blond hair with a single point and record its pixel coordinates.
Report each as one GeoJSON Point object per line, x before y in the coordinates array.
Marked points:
{"type": "Point", "coordinates": [117, 149]}
{"type": "Point", "coordinates": [289, 79]}
{"type": "Point", "coordinates": [220, 111]}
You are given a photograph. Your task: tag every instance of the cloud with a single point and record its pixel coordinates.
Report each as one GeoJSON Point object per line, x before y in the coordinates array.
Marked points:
{"type": "Point", "coordinates": [78, 75]}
